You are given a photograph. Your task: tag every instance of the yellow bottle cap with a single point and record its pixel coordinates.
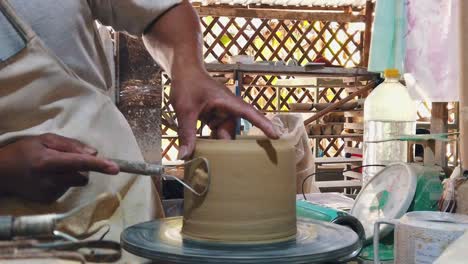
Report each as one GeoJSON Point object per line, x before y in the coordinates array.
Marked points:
{"type": "Point", "coordinates": [392, 73]}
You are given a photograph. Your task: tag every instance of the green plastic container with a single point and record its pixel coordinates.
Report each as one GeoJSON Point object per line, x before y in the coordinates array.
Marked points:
{"type": "Point", "coordinates": [314, 211]}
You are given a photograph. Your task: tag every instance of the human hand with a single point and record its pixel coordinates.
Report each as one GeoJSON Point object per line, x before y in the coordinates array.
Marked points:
{"type": "Point", "coordinates": [197, 96]}
{"type": "Point", "coordinates": [42, 168]}
{"type": "Point", "coordinates": [175, 41]}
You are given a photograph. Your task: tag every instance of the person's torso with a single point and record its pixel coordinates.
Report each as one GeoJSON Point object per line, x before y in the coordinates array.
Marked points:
{"type": "Point", "coordinates": [41, 92]}
{"type": "Point", "coordinates": [67, 28]}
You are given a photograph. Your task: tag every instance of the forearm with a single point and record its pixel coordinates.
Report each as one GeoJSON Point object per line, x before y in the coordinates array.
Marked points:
{"type": "Point", "coordinates": [175, 41]}
{"type": "Point", "coordinates": [4, 172]}
{"type": "Point", "coordinates": [7, 169]}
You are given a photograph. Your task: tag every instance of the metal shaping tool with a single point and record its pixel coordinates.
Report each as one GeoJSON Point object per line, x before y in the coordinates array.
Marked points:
{"type": "Point", "coordinates": [147, 169]}
{"type": "Point", "coordinates": [26, 235]}
{"type": "Point", "coordinates": [37, 226]}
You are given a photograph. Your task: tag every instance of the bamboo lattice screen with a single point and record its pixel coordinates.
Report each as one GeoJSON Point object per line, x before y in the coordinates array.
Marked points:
{"type": "Point", "coordinates": [273, 40]}
{"type": "Point", "coordinates": [341, 43]}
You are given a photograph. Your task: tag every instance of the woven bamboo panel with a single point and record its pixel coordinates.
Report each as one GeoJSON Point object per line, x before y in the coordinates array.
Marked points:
{"type": "Point", "coordinates": [282, 40]}
{"type": "Point", "coordinates": [275, 40]}
{"type": "Point", "coordinates": [330, 147]}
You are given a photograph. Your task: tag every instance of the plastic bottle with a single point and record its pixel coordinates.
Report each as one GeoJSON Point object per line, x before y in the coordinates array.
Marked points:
{"type": "Point", "coordinates": [389, 112]}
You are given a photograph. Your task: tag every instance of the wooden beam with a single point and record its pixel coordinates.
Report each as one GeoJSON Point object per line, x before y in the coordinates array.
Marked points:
{"type": "Point", "coordinates": [338, 184]}
{"type": "Point", "coordinates": [354, 126]}
{"type": "Point", "coordinates": [314, 71]}
{"type": "Point", "coordinates": [368, 32]}
{"type": "Point", "coordinates": [299, 7]}
{"type": "Point", "coordinates": [439, 118]}
{"type": "Point", "coordinates": [463, 89]}
{"type": "Point", "coordinates": [279, 14]}
{"type": "Point", "coordinates": [337, 160]}
{"type": "Point", "coordinates": [428, 126]}
{"type": "Point", "coordinates": [339, 103]}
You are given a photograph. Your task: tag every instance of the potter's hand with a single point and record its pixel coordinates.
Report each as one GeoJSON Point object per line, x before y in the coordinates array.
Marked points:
{"type": "Point", "coordinates": [176, 43]}
{"type": "Point", "coordinates": [199, 97]}
{"type": "Point", "coordinates": [42, 168]}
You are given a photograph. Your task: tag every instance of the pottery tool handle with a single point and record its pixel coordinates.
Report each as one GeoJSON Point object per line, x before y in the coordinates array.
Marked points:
{"type": "Point", "coordinates": [143, 168]}
{"type": "Point", "coordinates": [138, 167]}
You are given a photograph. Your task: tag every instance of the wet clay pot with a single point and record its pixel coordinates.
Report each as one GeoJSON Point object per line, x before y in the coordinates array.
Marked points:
{"type": "Point", "coordinates": [251, 197]}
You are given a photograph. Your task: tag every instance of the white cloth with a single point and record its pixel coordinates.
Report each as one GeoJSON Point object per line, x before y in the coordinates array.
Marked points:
{"type": "Point", "coordinates": [432, 54]}
{"type": "Point", "coordinates": [419, 38]}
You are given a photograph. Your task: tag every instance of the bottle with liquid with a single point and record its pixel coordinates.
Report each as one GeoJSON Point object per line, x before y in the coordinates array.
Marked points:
{"type": "Point", "coordinates": [389, 112]}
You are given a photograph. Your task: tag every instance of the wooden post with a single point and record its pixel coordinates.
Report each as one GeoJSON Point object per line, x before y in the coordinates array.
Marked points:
{"type": "Point", "coordinates": [439, 118]}
{"type": "Point", "coordinates": [463, 88]}
{"type": "Point", "coordinates": [368, 31]}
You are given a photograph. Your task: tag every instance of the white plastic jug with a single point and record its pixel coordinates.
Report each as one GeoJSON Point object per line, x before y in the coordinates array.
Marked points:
{"type": "Point", "coordinates": [389, 112]}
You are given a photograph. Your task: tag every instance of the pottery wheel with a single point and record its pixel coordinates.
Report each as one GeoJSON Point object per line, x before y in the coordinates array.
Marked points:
{"type": "Point", "coordinates": [315, 242]}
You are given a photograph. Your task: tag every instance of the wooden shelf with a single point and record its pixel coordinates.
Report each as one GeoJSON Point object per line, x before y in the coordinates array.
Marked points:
{"type": "Point", "coordinates": [337, 160]}
{"type": "Point", "coordinates": [321, 87]}
{"type": "Point", "coordinates": [356, 113]}
{"type": "Point", "coordinates": [293, 112]}
{"type": "Point", "coordinates": [338, 184]}
{"type": "Point", "coordinates": [355, 126]}
{"type": "Point", "coordinates": [337, 72]}
{"type": "Point", "coordinates": [353, 174]}
{"type": "Point", "coordinates": [428, 126]}
{"type": "Point", "coordinates": [308, 112]}
{"type": "Point", "coordinates": [304, 86]}
{"type": "Point", "coordinates": [337, 136]}
{"type": "Point", "coordinates": [349, 139]}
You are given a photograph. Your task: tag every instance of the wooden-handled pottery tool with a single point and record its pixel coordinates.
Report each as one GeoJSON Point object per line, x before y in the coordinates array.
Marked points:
{"type": "Point", "coordinates": [142, 168]}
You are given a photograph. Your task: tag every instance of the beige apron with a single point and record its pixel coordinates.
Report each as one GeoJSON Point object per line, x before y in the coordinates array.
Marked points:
{"type": "Point", "coordinates": [39, 94]}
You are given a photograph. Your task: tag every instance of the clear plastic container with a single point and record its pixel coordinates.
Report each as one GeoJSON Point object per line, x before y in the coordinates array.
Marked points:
{"type": "Point", "coordinates": [389, 112]}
